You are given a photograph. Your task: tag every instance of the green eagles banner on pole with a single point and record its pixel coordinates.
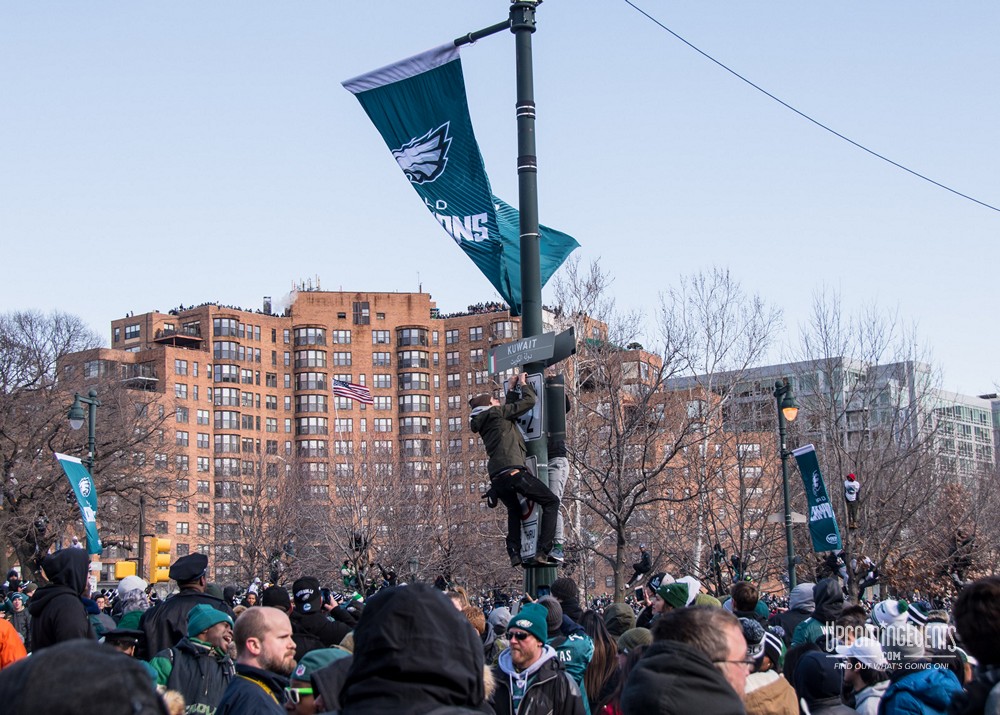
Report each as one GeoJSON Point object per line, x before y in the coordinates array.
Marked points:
{"type": "Point", "coordinates": [86, 498]}
{"type": "Point", "coordinates": [822, 520]}
{"type": "Point", "coordinates": [419, 106]}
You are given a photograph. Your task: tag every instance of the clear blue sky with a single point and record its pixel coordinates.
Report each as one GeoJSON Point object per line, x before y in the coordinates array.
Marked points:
{"type": "Point", "coordinates": [219, 131]}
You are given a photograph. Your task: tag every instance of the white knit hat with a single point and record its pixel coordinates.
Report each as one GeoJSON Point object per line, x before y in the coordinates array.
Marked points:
{"type": "Point", "coordinates": [885, 613]}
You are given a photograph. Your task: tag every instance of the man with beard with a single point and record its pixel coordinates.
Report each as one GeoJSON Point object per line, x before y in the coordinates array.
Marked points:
{"type": "Point", "coordinates": [57, 613]}
{"type": "Point", "coordinates": [265, 657]}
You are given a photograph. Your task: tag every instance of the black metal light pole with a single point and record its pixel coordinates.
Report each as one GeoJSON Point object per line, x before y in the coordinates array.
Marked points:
{"type": "Point", "coordinates": [788, 410]}
{"type": "Point", "coordinates": [522, 24]}
{"type": "Point", "coordinates": [76, 417]}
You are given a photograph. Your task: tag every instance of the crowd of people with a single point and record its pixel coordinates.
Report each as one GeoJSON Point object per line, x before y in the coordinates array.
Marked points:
{"type": "Point", "coordinates": [431, 648]}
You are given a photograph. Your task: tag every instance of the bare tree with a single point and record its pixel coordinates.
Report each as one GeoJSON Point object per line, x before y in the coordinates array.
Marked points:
{"type": "Point", "coordinates": [637, 422]}
{"type": "Point", "coordinates": [37, 382]}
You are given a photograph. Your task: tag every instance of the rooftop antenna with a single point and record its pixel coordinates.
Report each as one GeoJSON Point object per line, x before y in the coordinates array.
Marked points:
{"type": "Point", "coordinates": [420, 286]}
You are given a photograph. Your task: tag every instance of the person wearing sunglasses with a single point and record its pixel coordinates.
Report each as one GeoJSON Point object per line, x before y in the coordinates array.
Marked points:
{"type": "Point", "coordinates": [529, 677]}
{"type": "Point", "coordinates": [300, 697]}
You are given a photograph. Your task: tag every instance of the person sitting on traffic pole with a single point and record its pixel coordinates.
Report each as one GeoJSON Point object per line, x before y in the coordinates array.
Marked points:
{"type": "Point", "coordinates": [509, 477]}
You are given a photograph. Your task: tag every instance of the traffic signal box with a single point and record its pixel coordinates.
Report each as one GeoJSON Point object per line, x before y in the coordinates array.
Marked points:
{"type": "Point", "coordinates": [159, 560]}
{"type": "Point", "coordinates": [123, 569]}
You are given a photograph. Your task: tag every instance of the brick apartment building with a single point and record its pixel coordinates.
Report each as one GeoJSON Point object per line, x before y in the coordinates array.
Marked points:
{"type": "Point", "coordinates": [245, 394]}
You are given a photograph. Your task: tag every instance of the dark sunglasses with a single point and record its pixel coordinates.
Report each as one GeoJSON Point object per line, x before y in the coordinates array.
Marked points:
{"type": "Point", "coordinates": [519, 635]}
{"type": "Point", "coordinates": [294, 695]}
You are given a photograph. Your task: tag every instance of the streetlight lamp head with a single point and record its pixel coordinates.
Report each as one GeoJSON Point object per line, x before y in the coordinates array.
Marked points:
{"type": "Point", "coordinates": [789, 408]}
{"type": "Point", "coordinates": [76, 414]}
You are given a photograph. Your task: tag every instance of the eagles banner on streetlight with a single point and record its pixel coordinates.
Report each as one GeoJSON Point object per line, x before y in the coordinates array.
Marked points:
{"type": "Point", "coordinates": [822, 520]}
{"type": "Point", "coordinates": [86, 497]}
{"type": "Point", "coordinates": [419, 106]}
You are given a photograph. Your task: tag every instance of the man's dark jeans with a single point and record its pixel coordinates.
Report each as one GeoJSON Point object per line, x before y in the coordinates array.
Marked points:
{"type": "Point", "coordinates": [510, 482]}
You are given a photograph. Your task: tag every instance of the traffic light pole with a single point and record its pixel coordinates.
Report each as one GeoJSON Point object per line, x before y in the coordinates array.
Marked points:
{"type": "Point", "coordinates": [142, 533]}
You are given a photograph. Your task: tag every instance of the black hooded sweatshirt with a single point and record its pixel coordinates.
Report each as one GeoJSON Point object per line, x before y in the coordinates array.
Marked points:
{"type": "Point", "coordinates": [57, 613]}
{"type": "Point", "coordinates": [673, 677]}
{"type": "Point", "coordinates": [414, 653]}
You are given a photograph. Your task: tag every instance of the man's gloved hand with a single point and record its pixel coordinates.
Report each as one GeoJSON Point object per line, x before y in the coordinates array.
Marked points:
{"type": "Point", "coordinates": [491, 498]}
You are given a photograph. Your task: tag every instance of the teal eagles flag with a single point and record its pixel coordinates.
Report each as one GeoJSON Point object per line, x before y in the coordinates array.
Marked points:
{"type": "Point", "coordinates": [822, 521]}
{"type": "Point", "coordinates": [86, 497]}
{"type": "Point", "coordinates": [420, 108]}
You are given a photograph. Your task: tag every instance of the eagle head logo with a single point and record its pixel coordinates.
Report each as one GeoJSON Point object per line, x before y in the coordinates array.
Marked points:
{"type": "Point", "coordinates": [424, 159]}
{"type": "Point", "coordinates": [816, 484]}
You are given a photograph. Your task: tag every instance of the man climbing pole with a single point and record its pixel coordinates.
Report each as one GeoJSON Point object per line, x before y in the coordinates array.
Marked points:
{"type": "Point", "coordinates": [509, 477]}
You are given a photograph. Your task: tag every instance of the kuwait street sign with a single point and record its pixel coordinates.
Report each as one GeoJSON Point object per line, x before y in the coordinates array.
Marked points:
{"type": "Point", "coordinates": [520, 352]}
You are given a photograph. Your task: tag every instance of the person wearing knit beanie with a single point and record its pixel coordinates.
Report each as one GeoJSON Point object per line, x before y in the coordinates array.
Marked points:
{"type": "Point", "coordinates": [567, 593]}
{"type": "Point", "coordinates": [532, 618]}
{"type": "Point", "coordinates": [634, 638]}
{"type": "Point", "coordinates": [555, 617]}
{"type": "Point", "coordinates": [671, 596]}
{"type": "Point", "coordinates": [887, 613]}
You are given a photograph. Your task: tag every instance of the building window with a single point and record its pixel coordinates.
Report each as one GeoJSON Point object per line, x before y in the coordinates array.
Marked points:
{"type": "Point", "coordinates": [225, 419]}
{"type": "Point", "coordinates": [180, 391]}
{"type": "Point", "coordinates": [454, 379]}
{"type": "Point", "coordinates": [133, 331]}
{"type": "Point", "coordinates": [342, 359]}
{"type": "Point", "coordinates": [382, 424]}
{"type": "Point", "coordinates": [382, 380]}
{"type": "Point", "coordinates": [476, 355]}
{"type": "Point", "coordinates": [411, 337]}
{"type": "Point", "coordinates": [203, 486]}
{"type": "Point", "coordinates": [180, 367]}
{"type": "Point", "coordinates": [361, 313]}
{"type": "Point", "coordinates": [383, 403]}
{"type": "Point", "coordinates": [414, 403]}
{"type": "Point", "coordinates": [182, 414]}
{"type": "Point", "coordinates": [343, 424]}
{"type": "Point", "coordinates": [310, 336]}
{"type": "Point", "coordinates": [475, 333]}
{"type": "Point", "coordinates": [310, 358]}
{"type": "Point", "coordinates": [226, 373]}
{"type": "Point", "coordinates": [503, 330]}
{"type": "Point", "coordinates": [202, 440]}
{"type": "Point", "coordinates": [310, 403]}
{"type": "Point", "coordinates": [204, 464]}
{"type": "Point", "coordinates": [450, 337]}
{"type": "Point", "coordinates": [311, 425]}
{"type": "Point", "coordinates": [340, 337]}
{"type": "Point", "coordinates": [412, 358]}
{"type": "Point", "coordinates": [118, 335]}
{"type": "Point", "coordinates": [414, 381]}
{"type": "Point", "coordinates": [381, 359]}
{"type": "Point", "coordinates": [451, 359]}
{"type": "Point", "coordinates": [381, 337]}
{"type": "Point", "coordinates": [201, 417]}
{"type": "Point", "coordinates": [160, 527]}
{"type": "Point", "coordinates": [310, 381]}
{"type": "Point", "coordinates": [454, 424]}
{"type": "Point", "coordinates": [414, 425]}
{"type": "Point", "coordinates": [182, 438]}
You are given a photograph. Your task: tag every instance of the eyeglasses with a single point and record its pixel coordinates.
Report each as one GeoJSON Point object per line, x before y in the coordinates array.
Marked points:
{"type": "Point", "coordinates": [518, 635]}
{"type": "Point", "coordinates": [748, 664]}
{"type": "Point", "coordinates": [294, 695]}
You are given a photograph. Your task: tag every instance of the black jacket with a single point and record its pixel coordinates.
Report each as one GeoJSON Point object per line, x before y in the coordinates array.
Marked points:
{"type": "Point", "coordinates": [551, 691]}
{"type": "Point", "coordinates": [200, 673]}
{"type": "Point", "coordinates": [166, 623]}
{"type": "Point", "coordinates": [254, 692]}
{"type": "Point", "coordinates": [673, 677]}
{"type": "Point", "coordinates": [57, 613]}
{"type": "Point", "coordinates": [315, 630]}
{"type": "Point", "coordinates": [498, 428]}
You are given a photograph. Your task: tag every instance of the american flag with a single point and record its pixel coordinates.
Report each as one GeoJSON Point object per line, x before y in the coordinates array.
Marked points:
{"type": "Point", "coordinates": [352, 391]}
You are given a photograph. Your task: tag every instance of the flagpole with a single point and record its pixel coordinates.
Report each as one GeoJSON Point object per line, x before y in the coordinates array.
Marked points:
{"type": "Point", "coordinates": [522, 24]}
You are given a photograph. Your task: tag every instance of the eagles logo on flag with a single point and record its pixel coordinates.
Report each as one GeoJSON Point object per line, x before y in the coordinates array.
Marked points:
{"type": "Point", "coordinates": [424, 159]}
{"type": "Point", "coordinates": [419, 107]}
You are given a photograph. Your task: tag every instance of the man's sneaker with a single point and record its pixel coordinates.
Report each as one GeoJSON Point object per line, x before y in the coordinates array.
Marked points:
{"type": "Point", "coordinates": [515, 560]}
{"type": "Point", "coordinates": [557, 553]}
{"type": "Point", "coordinates": [544, 559]}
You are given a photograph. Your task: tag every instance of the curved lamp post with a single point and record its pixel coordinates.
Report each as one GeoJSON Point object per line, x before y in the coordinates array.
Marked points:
{"type": "Point", "coordinates": [788, 410]}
